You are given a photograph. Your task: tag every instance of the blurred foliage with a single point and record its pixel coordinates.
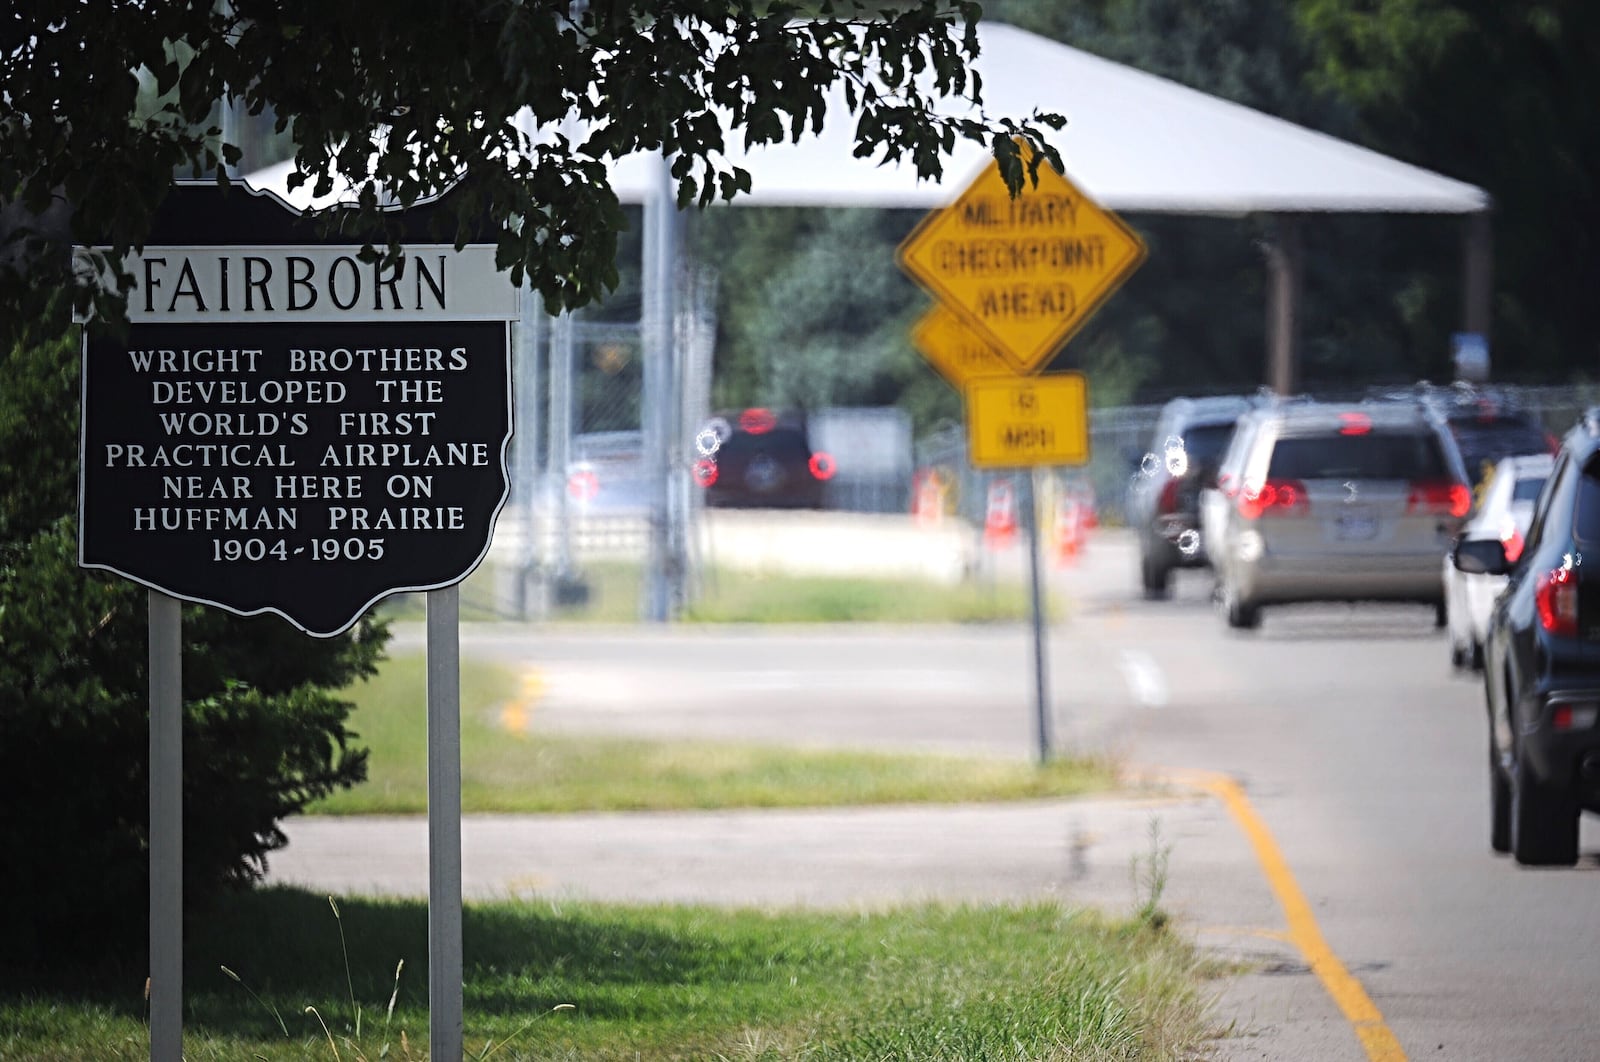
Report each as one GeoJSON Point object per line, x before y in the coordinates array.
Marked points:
{"type": "Point", "coordinates": [518, 107]}
{"type": "Point", "coordinates": [1506, 96]}
{"type": "Point", "coordinates": [263, 733]}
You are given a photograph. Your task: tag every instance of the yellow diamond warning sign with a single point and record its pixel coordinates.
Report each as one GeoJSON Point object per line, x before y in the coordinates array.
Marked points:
{"type": "Point", "coordinates": [1025, 273]}
{"type": "Point", "coordinates": [959, 353]}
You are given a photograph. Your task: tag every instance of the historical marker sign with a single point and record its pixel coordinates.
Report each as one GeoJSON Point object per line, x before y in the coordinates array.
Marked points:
{"type": "Point", "coordinates": [1026, 273]}
{"type": "Point", "coordinates": [1035, 420]}
{"type": "Point", "coordinates": [285, 428]}
{"type": "Point", "coordinates": [953, 348]}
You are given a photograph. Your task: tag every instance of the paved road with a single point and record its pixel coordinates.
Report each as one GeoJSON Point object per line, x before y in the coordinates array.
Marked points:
{"type": "Point", "coordinates": [1360, 758]}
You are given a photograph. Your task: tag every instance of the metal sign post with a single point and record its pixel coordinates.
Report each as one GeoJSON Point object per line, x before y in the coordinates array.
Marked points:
{"type": "Point", "coordinates": [1041, 684]}
{"type": "Point", "coordinates": [444, 824]}
{"type": "Point", "coordinates": [166, 828]}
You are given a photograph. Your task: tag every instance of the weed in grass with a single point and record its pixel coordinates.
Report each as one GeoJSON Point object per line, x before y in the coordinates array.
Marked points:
{"type": "Point", "coordinates": [240, 981]}
{"type": "Point", "coordinates": [355, 1008]}
{"type": "Point", "coordinates": [331, 1045]}
{"type": "Point", "coordinates": [352, 1040]}
{"type": "Point", "coordinates": [490, 1046]}
{"type": "Point", "coordinates": [1150, 880]}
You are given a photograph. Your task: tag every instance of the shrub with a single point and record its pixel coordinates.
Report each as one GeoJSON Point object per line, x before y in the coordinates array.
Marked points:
{"type": "Point", "coordinates": [264, 733]}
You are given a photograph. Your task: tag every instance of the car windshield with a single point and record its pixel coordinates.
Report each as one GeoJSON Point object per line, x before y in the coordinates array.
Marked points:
{"type": "Point", "coordinates": [1373, 455]}
{"type": "Point", "coordinates": [1204, 443]}
{"type": "Point", "coordinates": [1587, 527]}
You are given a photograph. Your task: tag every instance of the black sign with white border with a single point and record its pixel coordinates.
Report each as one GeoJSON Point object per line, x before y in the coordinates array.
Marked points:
{"type": "Point", "coordinates": [285, 428]}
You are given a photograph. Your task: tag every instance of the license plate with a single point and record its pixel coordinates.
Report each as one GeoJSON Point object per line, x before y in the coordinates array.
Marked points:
{"type": "Point", "coordinates": [1354, 527]}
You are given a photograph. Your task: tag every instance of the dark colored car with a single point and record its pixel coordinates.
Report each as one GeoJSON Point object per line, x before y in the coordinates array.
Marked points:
{"type": "Point", "coordinates": [1542, 662]}
{"type": "Point", "coordinates": [761, 459]}
{"type": "Point", "coordinates": [1163, 499]}
{"type": "Point", "coordinates": [1487, 434]}
{"type": "Point", "coordinates": [1486, 424]}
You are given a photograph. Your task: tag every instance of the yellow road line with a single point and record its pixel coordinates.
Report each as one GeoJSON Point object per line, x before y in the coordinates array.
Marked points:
{"type": "Point", "coordinates": [1341, 985]}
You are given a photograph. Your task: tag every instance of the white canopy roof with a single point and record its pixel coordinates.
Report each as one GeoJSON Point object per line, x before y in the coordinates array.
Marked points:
{"type": "Point", "coordinates": [1133, 142]}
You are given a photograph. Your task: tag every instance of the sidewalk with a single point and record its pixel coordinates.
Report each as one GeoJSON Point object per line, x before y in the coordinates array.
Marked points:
{"type": "Point", "coordinates": [1085, 852]}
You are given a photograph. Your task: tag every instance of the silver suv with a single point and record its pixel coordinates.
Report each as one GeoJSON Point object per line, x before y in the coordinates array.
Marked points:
{"type": "Point", "coordinates": [1337, 502]}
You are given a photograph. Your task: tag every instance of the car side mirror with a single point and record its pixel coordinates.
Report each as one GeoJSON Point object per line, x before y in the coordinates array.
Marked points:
{"type": "Point", "coordinates": [1480, 556]}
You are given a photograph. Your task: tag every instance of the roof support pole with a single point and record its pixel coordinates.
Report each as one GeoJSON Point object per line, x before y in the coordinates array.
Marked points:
{"type": "Point", "coordinates": [659, 401]}
{"type": "Point", "coordinates": [1286, 268]}
{"type": "Point", "coordinates": [1477, 273]}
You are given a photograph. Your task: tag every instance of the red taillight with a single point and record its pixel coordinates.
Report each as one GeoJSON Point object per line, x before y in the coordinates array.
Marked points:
{"type": "Point", "coordinates": [1440, 497]}
{"type": "Point", "coordinates": [705, 472]}
{"type": "Point", "coordinates": [1354, 424]}
{"type": "Point", "coordinates": [821, 465]}
{"type": "Point", "coordinates": [1555, 596]}
{"type": "Point", "coordinates": [757, 421]}
{"type": "Point", "coordinates": [1275, 497]}
{"type": "Point", "coordinates": [1168, 502]}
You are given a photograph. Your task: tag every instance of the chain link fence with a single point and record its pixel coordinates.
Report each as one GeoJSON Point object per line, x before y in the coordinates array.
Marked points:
{"type": "Point", "coordinates": [1119, 437]}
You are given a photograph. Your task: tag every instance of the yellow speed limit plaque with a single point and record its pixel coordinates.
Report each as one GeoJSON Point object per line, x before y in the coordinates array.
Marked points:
{"type": "Point", "coordinates": [1024, 421]}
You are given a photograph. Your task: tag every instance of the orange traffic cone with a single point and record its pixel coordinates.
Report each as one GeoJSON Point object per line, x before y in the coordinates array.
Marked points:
{"type": "Point", "coordinates": [927, 499]}
{"type": "Point", "coordinates": [1000, 522]}
{"type": "Point", "coordinates": [1069, 527]}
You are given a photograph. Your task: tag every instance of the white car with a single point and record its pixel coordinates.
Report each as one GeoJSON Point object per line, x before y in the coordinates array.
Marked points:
{"type": "Point", "coordinates": [1504, 511]}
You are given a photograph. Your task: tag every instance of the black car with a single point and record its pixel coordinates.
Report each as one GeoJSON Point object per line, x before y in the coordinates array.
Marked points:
{"type": "Point", "coordinates": [1163, 499]}
{"type": "Point", "coordinates": [761, 459]}
{"type": "Point", "coordinates": [1542, 662]}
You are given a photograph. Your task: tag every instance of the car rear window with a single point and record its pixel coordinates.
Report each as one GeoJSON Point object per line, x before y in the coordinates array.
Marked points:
{"type": "Point", "coordinates": [1527, 489]}
{"type": "Point", "coordinates": [779, 442]}
{"type": "Point", "coordinates": [1374, 455]}
{"type": "Point", "coordinates": [1481, 442]}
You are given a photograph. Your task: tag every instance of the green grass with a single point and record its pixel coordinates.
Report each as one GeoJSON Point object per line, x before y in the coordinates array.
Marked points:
{"type": "Point", "coordinates": [928, 983]}
{"type": "Point", "coordinates": [775, 598]}
{"type": "Point", "coordinates": [505, 771]}
{"type": "Point", "coordinates": [614, 591]}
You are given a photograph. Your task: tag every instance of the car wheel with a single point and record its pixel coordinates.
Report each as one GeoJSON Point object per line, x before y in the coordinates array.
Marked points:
{"type": "Point", "coordinates": [1475, 656]}
{"type": "Point", "coordinates": [1155, 577]}
{"type": "Point", "coordinates": [1544, 823]}
{"type": "Point", "coordinates": [1240, 616]}
{"type": "Point", "coordinates": [1460, 656]}
{"type": "Point", "coordinates": [1441, 615]}
{"type": "Point", "coordinates": [1499, 807]}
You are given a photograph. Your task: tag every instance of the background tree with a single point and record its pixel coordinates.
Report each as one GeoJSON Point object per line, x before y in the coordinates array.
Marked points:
{"type": "Point", "coordinates": [1506, 96]}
